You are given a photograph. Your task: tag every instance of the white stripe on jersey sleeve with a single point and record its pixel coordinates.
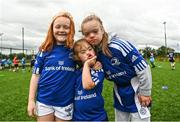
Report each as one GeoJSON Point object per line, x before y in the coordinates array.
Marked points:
{"type": "Point", "coordinates": [100, 70]}
{"type": "Point", "coordinates": [124, 43]}
{"type": "Point", "coordinates": [118, 48]}
{"type": "Point", "coordinates": [94, 78]}
{"type": "Point", "coordinates": [126, 47]}
{"type": "Point", "coordinates": [144, 63]}
{"type": "Point", "coordinates": [127, 44]}
{"type": "Point", "coordinates": [136, 69]}
{"type": "Point", "coordinates": [96, 81]}
{"type": "Point", "coordinates": [36, 70]}
{"type": "Point", "coordinates": [95, 71]}
{"type": "Point", "coordinates": [140, 66]}
{"type": "Point", "coordinates": [122, 46]}
{"type": "Point", "coordinates": [41, 54]}
{"type": "Point", "coordinates": [94, 74]}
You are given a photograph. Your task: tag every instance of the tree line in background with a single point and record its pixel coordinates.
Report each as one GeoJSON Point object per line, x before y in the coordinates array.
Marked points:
{"type": "Point", "coordinates": [160, 54]}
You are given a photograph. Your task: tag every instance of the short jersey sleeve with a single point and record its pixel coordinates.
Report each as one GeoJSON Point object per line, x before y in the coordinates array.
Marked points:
{"type": "Point", "coordinates": [39, 62]}
{"type": "Point", "coordinates": [97, 76]}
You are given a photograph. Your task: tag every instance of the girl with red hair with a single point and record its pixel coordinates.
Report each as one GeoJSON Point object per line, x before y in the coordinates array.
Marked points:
{"type": "Point", "coordinates": [51, 91]}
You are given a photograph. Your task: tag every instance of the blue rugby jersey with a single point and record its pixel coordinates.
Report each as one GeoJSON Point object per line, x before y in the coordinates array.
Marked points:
{"type": "Point", "coordinates": [125, 63]}
{"type": "Point", "coordinates": [151, 59]}
{"type": "Point", "coordinates": [171, 56]}
{"type": "Point", "coordinates": [57, 78]}
{"type": "Point", "coordinates": [89, 104]}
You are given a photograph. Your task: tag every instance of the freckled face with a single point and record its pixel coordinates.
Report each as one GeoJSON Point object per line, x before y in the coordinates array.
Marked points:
{"type": "Point", "coordinates": [61, 29]}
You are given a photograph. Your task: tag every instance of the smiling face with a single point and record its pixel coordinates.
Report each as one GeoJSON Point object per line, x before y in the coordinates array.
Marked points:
{"type": "Point", "coordinates": [61, 29]}
{"type": "Point", "coordinates": [93, 32]}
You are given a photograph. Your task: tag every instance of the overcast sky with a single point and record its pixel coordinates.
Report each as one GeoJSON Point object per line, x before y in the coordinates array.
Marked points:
{"type": "Point", "coordinates": [139, 21]}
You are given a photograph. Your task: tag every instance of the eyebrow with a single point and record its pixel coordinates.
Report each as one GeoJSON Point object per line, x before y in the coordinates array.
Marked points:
{"type": "Point", "coordinates": [85, 48]}
{"type": "Point", "coordinates": [64, 24]}
{"type": "Point", "coordinates": [92, 30]}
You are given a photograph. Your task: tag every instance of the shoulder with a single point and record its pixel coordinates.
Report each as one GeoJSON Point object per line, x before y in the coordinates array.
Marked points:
{"type": "Point", "coordinates": [115, 39]}
{"type": "Point", "coordinates": [121, 45]}
{"type": "Point", "coordinates": [42, 53]}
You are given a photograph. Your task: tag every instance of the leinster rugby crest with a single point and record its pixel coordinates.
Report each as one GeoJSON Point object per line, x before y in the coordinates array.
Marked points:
{"type": "Point", "coordinates": [108, 72]}
{"type": "Point", "coordinates": [115, 61]}
{"type": "Point", "coordinates": [80, 92]}
{"type": "Point", "coordinates": [61, 62]}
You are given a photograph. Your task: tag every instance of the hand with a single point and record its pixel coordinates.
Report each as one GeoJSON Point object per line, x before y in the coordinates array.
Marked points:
{"type": "Point", "coordinates": [31, 109]}
{"type": "Point", "coordinates": [91, 62]}
{"type": "Point", "coordinates": [144, 100]}
{"type": "Point", "coordinates": [97, 65]}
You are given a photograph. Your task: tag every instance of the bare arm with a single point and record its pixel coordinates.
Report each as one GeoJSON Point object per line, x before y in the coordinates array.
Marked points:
{"type": "Point", "coordinates": [87, 81]}
{"type": "Point", "coordinates": [32, 95]}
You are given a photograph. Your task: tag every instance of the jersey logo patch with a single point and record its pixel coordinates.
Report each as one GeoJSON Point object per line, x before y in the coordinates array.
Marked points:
{"type": "Point", "coordinates": [115, 61]}
{"type": "Point", "coordinates": [108, 72]}
{"type": "Point", "coordinates": [80, 92]}
{"type": "Point", "coordinates": [61, 62]}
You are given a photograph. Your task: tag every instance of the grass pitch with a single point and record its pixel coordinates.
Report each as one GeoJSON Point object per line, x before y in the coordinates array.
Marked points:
{"type": "Point", "coordinates": [14, 87]}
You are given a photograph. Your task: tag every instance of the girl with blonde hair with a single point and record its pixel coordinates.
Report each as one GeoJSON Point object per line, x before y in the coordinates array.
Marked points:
{"type": "Point", "coordinates": [123, 65]}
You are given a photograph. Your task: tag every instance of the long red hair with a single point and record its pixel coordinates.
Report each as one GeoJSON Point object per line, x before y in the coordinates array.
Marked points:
{"type": "Point", "coordinates": [47, 45]}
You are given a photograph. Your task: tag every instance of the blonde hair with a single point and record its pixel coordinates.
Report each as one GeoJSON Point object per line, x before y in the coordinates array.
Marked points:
{"type": "Point", "coordinates": [104, 41]}
{"type": "Point", "coordinates": [47, 45]}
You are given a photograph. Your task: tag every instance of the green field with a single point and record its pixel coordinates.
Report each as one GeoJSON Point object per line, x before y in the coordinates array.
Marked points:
{"type": "Point", "coordinates": [165, 106]}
